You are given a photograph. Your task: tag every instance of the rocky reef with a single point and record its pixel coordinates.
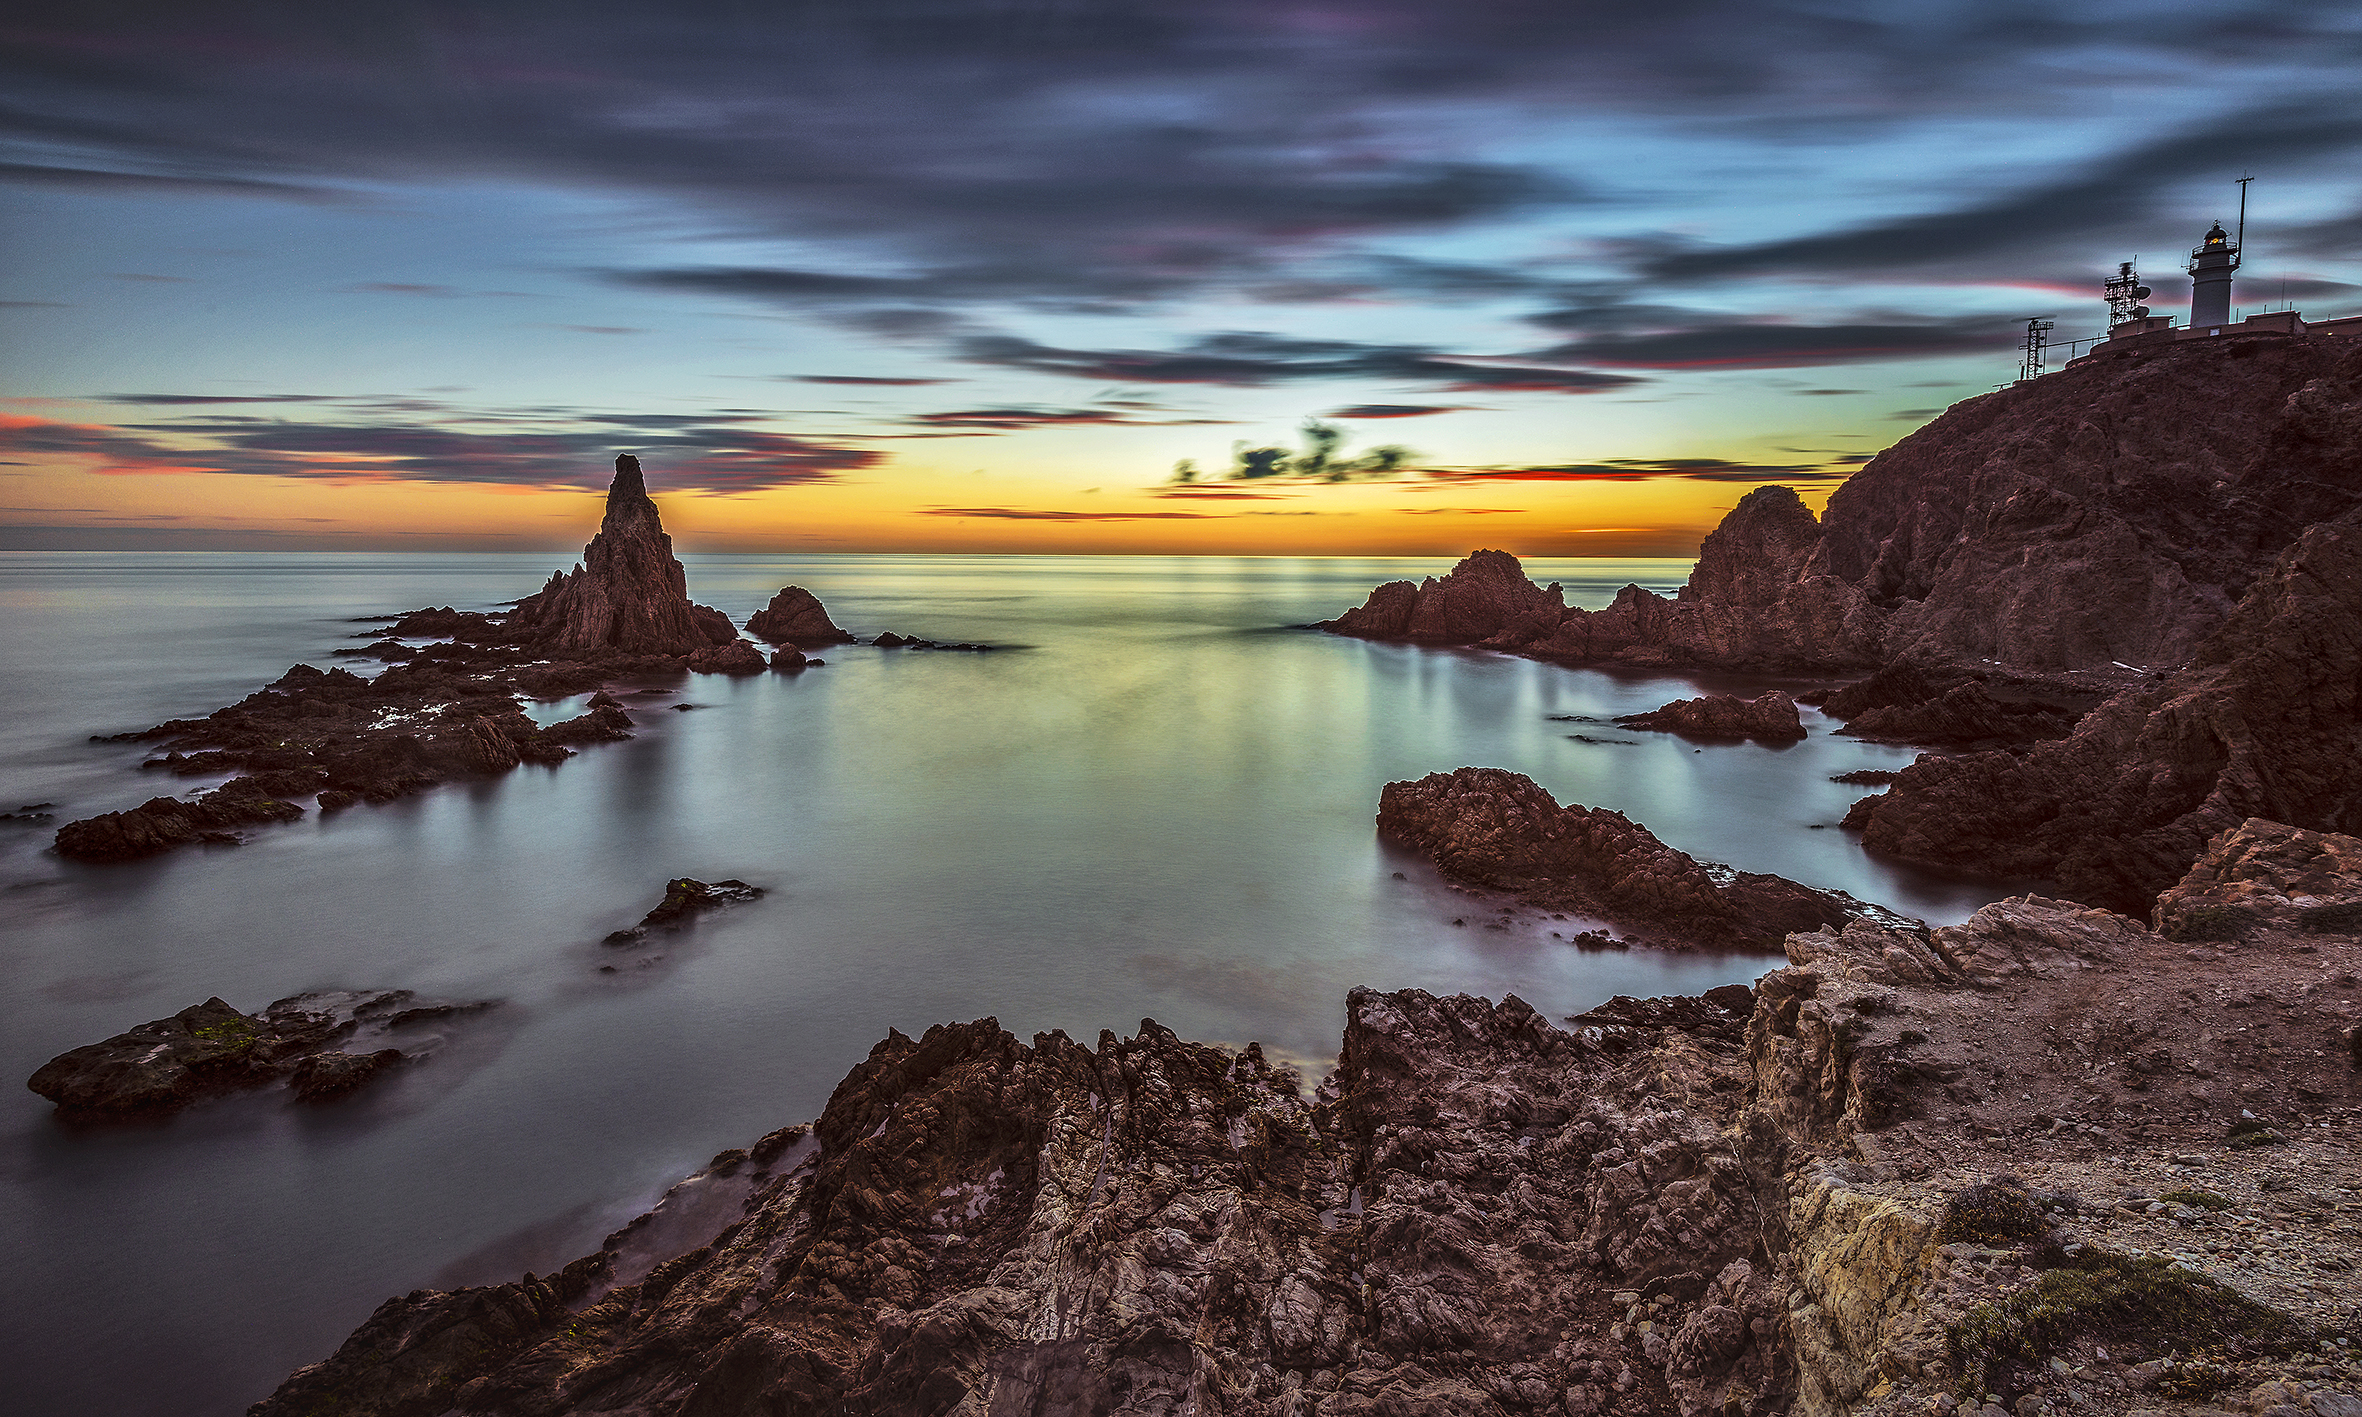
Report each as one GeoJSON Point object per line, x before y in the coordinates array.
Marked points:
{"type": "Point", "coordinates": [684, 900]}
{"type": "Point", "coordinates": [1770, 716]}
{"type": "Point", "coordinates": [1499, 831]}
{"type": "Point", "coordinates": [320, 1045]}
{"type": "Point", "coordinates": [442, 711]}
{"type": "Point", "coordinates": [2048, 1159]}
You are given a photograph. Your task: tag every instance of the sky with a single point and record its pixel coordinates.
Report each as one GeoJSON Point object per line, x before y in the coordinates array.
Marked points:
{"type": "Point", "coordinates": [1395, 277]}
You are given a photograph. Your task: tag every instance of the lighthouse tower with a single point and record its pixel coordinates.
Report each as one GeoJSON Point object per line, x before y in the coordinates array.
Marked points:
{"type": "Point", "coordinates": [2211, 266]}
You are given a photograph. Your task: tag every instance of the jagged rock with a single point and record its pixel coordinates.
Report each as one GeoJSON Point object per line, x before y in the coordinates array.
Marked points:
{"type": "Point", "coordinates": [2265, 721]}
{"type": "Point", "coordinates": [684, 900]}
{"type": "Point", "coordinates": [736, 657]}
{"type": "Point", "coordinates": [2263, 873]}
{"type": "Point", "coordinates": [630, 594]}
{"type": "Point", "coordinates": [211, 1048]}
{"type": "Point", "coordinates": [1770, 715]}
{"type": "Point", "coordinates": [1967, 716]}
{"type": "Point", "coordinates": [1497, 829]}
{"type": "Point", "coordinates": [788, 657]}
{"type": "Point", "coordinates": [1484, 593]}
{"type": "Point", "coordinates": [440, 623]}
{"type": "Point", "coordinates": [796, 616]}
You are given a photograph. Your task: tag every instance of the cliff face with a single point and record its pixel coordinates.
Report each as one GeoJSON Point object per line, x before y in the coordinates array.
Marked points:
{"type": "Point", "coordinates": [1776, 1203]}
{"type": "Point", "coordinates": [629, 595]}
{"type": "Point", "coordinates": [2265, 721]}
{"type": "Point", "coordinates": [2113, 512]}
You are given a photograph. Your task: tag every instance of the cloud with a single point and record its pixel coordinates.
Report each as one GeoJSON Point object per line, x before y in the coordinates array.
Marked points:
{"type": "Point", "coordinates": [1645, 469]}
{"type": "Point", "coordinates": [1769, 345]}
{"type": "Point", "coordinates": [1246, 360]}
{"type": "Point", "coordinates": [92, 179]}
{"type": "Point", "coordinates": [1011, 420]}
{"type": "Point", "coordinates": [1456, 511]}
{"type": "Point", "coordinates": [864, 379]}
{"type": "Point", "coordinates": [161, 399]}
{"type": "Point", "coordinates": [718, 456]}
{"type": "Point", "coordinates": [2119, 192]}
{"type": "Point", "coordinates": [1202, 493]}
{"type": "Point", "coordinates": [1028, 514]}
{"type": "Point", "coordinates": [1394, 410]}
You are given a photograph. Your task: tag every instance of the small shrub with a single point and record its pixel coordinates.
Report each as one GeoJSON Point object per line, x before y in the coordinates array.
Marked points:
{"type": "Point", "coordinates": [1994, 1212]}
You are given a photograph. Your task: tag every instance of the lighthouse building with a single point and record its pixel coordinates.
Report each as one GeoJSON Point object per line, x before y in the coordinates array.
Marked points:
{"type": "Point", "coordinates": [2212, 263]}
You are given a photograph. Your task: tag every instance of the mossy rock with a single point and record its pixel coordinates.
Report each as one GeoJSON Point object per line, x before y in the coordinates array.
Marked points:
{"type": "Point", "coordinates": [2197, 1200]}
{"type": "Point", "coordinates": [2211, 922]}
{"type": "Point", "coordinates": [1996, 1212]}
{"type": "Point", "coordinates": [2109, 1298]}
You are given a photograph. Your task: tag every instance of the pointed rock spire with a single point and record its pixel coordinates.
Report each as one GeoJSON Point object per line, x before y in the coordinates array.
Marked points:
{"type": "Point", "coordinates": [630, 595]}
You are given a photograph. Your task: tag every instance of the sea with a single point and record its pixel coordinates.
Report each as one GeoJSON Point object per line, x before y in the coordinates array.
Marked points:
{"type": "Point", "coordinates": [1152, 798]}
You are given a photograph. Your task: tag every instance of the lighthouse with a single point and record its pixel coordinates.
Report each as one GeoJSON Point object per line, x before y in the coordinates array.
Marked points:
{"type": "Point", "coordinates": [2211, 266]}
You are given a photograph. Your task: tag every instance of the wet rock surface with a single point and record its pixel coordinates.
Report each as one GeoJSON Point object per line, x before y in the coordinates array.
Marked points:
{"type": "Point", "coordinates": [796, 616]}
{"type": "Point", "coordinates": [684, 900]}
{"type": "Point", "coordinates": [1912, 1172]}
{"type": "Point", "coordinates": [1770, 716]}
{"type": "Point", "coordinates": [736, 657]}
{"type": "Point", "coordinates": [208, 1049]}
{"type": "Point", "coordinates": [1500, 831]}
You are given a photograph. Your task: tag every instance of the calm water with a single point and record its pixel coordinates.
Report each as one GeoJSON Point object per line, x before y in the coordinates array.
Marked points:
{"type": "Point", "coordinates": [1160, 805]}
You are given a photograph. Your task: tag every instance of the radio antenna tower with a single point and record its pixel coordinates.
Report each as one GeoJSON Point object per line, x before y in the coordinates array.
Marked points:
{"type": "Point", "coordinates": [2241, 239]}
{"type": "Point", "coordinates": [2037, 342]}
{"type": "Point", "coordinates": [2125, 293]}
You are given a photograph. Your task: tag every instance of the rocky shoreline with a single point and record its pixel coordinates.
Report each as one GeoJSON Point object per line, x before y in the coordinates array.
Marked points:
{"type": "Point", "coordinates": [2049, 1160]}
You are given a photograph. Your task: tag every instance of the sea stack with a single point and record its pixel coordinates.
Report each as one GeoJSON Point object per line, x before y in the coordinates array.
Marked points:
{"type": "Point", "coordinates": [629, 595]}
{"type": "Point", "coordinates": [796, 617]}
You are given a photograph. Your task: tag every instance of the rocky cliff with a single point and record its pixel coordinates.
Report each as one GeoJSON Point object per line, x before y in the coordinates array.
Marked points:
{"type": "Point", "coordinates": [629, 595]}
{"type": "Point", "coordinates": [2113, 512]}
{"type": "Point", "coordinates": [2047, 1158]}
{"type": "Point", "coordinates": [2265, 721]}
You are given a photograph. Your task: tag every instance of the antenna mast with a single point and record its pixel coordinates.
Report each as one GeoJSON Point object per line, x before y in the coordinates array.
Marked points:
{"type": "Point", "coordinates": [2037, 340]}
{"type": "Point", "coordinates": [2241, 238]}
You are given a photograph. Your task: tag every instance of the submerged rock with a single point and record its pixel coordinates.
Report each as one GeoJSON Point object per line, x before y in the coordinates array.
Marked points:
{"type": "Point", "coordinates": [796, 616]}
{"type": "Point", "coordinates": [211, 1048]}
{"type": "Point", "coordinates": [161, 823]}
{"type": "Point", "coordinates": [1770, 716]}
{"type": "Point", "coordinates": [684, 900]}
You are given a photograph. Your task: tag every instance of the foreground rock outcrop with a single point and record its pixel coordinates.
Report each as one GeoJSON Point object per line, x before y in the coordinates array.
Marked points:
{"type": "Point", "coordinates": [323, 1045]}
{"type": "Point", "coordinates": [684, 900]}
{"type": "Point", "coordinates": [629, 595]}
{"type": "Point", "coordinates": [1499, 830]}
{"type": "Point", "coordinates": [1912, 1170]}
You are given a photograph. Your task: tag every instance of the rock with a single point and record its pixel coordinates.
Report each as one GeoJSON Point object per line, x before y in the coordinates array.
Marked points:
{"type": "Point", "coordinates": [1498, 829]}
{"type": "Point", "coordinates": [684, 900]}
{"type": "Point", "coordinates": [1761, 1201]}
{"type": "Point", "coordinates": [211, 1048]}
{"type": "Point", "coordinates": [629, 595]}
{"type": "Point", "coordinates": [2265, 721]}
{"type": "Point", "coordinates": [1770, 715]}
{"type": "Point", "coordinates": [161, 823]}
{"type": "Point", "coordinates": [2262, 873]}
{"type": "Point", "coordinates": [796, 616]}
{"type": "Point", "coordinates": [326, 1077]}
{"type": "Point", "coordinates": [1964, 716]}
{"type": "Point", "coordinates": [789, 658]}
{"type": "Point", "coordinates": [2068, 523]}
{"type": "Point", "coordinates": [736, 657]}
{"type": "Point", "coordinates": [1486, 592]}
{"type": "Point", "coordinates": [1864, 776]}
{"type": "Point", "coordinates": [890, 640]}
{"type": "Point", "coordinates": [441, 623]}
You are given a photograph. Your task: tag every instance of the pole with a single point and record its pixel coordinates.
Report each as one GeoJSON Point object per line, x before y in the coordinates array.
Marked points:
{"type": "Point", "coordinates": [2241, 238]}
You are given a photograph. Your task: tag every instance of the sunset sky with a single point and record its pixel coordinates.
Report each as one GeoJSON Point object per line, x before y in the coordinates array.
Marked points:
{"type": "Point", "coordinates": [906, 275]}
